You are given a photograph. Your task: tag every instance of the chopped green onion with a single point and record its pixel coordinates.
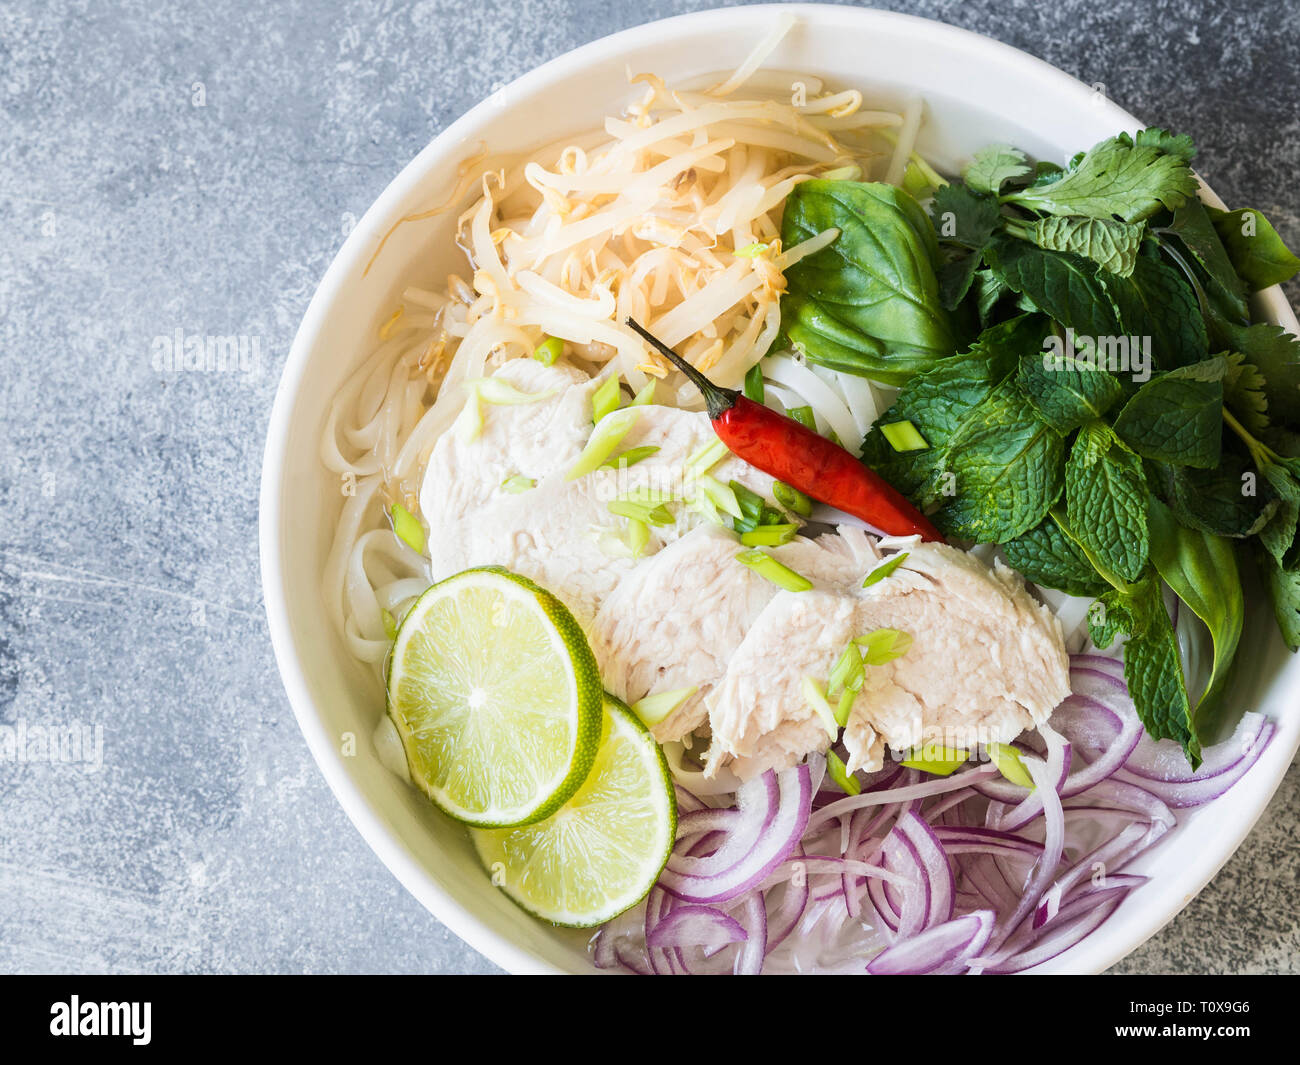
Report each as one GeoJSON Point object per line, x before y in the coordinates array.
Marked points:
{"type": "Point", "coordinates": [804, 416]}
{"type": "Point", "coordinates": [816, 698]}
{"type": "Point", "coordinates": [941, 761]}
{"type": "Point", "coordinates": [645, 494]}
{"type": "Point", "coordinates": [549, 350]}
{"type": "Point", "coordinates": [904, 436]}
{"type": "Point", "coordinates": [720, 495]}
{"type": "Point", "coordinates": [630, 457]}
{"type": "Point", "coordinates": [769, 535]}
{"type": "Point", "coordinates": [607, 436]}
{"type": "Point", "coordinates": [754, 388]}
{"type": "Point", "coordinates": [750, 251]}
{"type": "Point", "coordinates": [646, 396]}
{"type": "Point", "coordinates": [706, 457]}
{"type": "Point", "coordinates": [408, 528]}
{"type": "Point", "coordinates": [1010, 764]}
{"type": "Point", "coordinates": [883, 645]}
{"type": "Point", "coordinates": [848, 672]}
{"type": "Point", "coordinates": [649, 513]}
{"type": "Point", "coordinates": [839, 772]}
{"type": "Point", "coordinates": [915, 183]}
{"type": "Point", "coordinates": [503, 394]}
{"type": "Point", "coordinates": [518, 483]}
{"type": "Point", "coordinates": [770, 569]}
{"type": "Point", "coordinates": [884, 569]}
{"type": "Point", "coordinates": [390, 624]}
{"type": "Point", "coordinates": [792, 499]}
{"type": "Point", "coordinates": [654, 708]}
{"type": "Point", "coordinates": [845, 706]}
{"type": "Point", "coordinates": [636, 536]}
{"type": "Point", "coordinates": [843, 173]}
{"type": "Point", "coordinates": [606, 399]}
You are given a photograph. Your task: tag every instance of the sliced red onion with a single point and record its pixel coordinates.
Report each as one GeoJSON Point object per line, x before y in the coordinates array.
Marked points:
{"type": "Point", "coordinates": [793, 905]}
{"type": "Point", "coordinates": [749, 961]}
{"type": "Point", "coordinates": [704, 927]}
{"type": "Point", "coordinates": [774, 812]}
{"type": "Point", "coordinates": [937, 947]}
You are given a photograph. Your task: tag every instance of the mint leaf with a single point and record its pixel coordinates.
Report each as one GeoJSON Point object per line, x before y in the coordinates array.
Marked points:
{"type": "Point", "coordinates": [1257, 252]}
{"type": "Point", "coordinates": [1153, 670]}
{"type": "Point", "coordinates": [1046, 556]}
{"type": "Point", "coordinates": [1111, 245]}
{"type": "Point", "coordinates": [1065, 391]}
{"type": "Point", "coordinates": [1156, 302]}
{"type": "Point", "coordinates": [1216, 500]}
{"type": "Point", "coordinates": [1106, 501]}
{"type": "Point", "coordinates": [1006, 464]}
{"type": "Point", "coordinates": [1177, 417]}
{"type": "Point", "coordinates": [1116, 178]}
{"type": "Point", "coordinates": [1062, 285]}
{"type": "Point", "coordinates": [992, 166]}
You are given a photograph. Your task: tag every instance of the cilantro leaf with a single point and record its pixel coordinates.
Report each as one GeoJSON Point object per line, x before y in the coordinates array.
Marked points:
{"type": "Point", "coordinates": [1105, 500]}
{"type": "Point", "coordinates": [1116, 178]}
{"type": "Point", "coordinates": [1177, 416]}
{"type": "Point", "coordinates": [1177, 144]}
{"type": "Point", "coordinates": [1275, 356]}
{"type": "Point", "coordinates": [992, 166]}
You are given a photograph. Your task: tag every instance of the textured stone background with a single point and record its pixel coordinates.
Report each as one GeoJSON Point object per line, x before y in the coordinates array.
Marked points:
{"type": "Point", "coordinates": [129, 593]}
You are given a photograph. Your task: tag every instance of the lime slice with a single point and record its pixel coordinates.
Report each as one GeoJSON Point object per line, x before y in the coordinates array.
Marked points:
{"type": "Point", "coordinates": [496, 696]}
{"type": "Point", "coordinates": [603, 851]}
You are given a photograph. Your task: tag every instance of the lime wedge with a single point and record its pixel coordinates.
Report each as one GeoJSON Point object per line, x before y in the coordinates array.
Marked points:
{"type": "Point", "coordinates": [604, 849]}
{"type": "Point", "coordinates": [496, 696]}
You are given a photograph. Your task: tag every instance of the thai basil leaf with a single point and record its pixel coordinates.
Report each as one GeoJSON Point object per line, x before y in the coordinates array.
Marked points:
{"type": "Point", "coordinates": [1257, 252]}
{"type": "Point", "coordinates": [869, 302]}
{"type": "Point", "coordinates": [1202, 571]}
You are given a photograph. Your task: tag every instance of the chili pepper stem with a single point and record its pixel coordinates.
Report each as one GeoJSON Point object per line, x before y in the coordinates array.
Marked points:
{"type": "Point", "coordinates": [716, 398]}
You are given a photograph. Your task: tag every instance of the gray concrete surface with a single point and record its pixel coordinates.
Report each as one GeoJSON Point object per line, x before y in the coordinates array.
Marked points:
{"type": "Point", "coordinates": [192, 167]}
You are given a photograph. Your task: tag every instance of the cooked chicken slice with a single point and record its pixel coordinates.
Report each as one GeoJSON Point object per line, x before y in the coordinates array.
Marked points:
{"type": "Point", "coordinates": [986, 661]}
{"type": "Point", "coordinates": [758, 715]}
{"type": "Point", "coordinates": [676, 620]}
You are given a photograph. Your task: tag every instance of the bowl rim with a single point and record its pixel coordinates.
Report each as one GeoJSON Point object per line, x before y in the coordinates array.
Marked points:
{"type": "Point", "coordinates": [378, 834]}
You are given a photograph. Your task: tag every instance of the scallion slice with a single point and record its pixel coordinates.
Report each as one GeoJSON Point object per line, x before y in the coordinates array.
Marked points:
{"type": "Point", "coordinates": [904, 436]}
{"type": "Point", "coordinates": [848, 673]}
{"type": "Point", "coordinates": [654, 708]}
{"type": "Point", "coordinates": [768, 535]}
{"type": "Point", "coordinates": [1010, 764]}
{"type": "Point", "coordinates": [501, 393]}
{"type": "Point", "coordinates": [718, 494]}
{"type": "Point", "coordinates": [703, 459]}
{"type": "Point", "coordinates": [816, 698]}
{"type": "Point", "coordinates": [804, 416]}
{"type": "Point", "coordinates": [606, 399]}
{"type": "Point", "coordinates": [518, 483]}
{"type": "Point", "coordinates": [883, 645]}
{"type": "Point", "coordinates": [649, 513]}
{"type": "Point", "coordinates": [839, 772]}
{"type": "Point", "coordinates": [630, 457]}
{"type": "Point", "coordinates": [606, 437]}
{"type": "Point", "coordinates": [792, 499]}
{"type": "Point", "coordinates": [884, 569]}
{"type": "Point", "coordinates": [941, 761]}
{"type": "Point", "coordinates": [408, 528]}
{"type": "Point", "coordinates": [549, 351]}
{"type": "Point", "coordinates": [646, 396]}
{"type": "Point", "coordinates": [770, 569]}
{"type": "Point", "coordinates": [750, 251]}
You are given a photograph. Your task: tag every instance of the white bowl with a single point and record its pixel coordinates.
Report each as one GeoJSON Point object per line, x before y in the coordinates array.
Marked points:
{"type": "Point", "coordinates": [977, 91]}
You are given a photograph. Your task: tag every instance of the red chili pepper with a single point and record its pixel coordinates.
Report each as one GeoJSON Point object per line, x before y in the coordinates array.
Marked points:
{"type": "Point", "coordinates": [801, 458]}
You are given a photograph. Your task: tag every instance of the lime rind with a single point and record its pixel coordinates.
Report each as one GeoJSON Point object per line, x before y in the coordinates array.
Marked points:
{"type": "Point", "coordinates": [496, 696]}
{"type": "Point", "coordinates": [600, 854]}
